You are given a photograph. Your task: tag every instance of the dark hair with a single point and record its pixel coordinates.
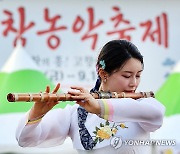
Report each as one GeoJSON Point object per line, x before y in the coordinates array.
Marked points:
{"type": "Point", "coordinates": [114, 54]}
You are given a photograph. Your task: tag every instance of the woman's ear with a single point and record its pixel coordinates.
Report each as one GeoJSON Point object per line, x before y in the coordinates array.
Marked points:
{"type": "Point", "coordinates": [103, 74]}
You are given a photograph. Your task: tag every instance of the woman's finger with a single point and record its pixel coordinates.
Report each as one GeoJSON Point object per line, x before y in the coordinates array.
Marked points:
{"type": "Point", "coordinates": [47, 89]}
{"type": "Point", "coordinates": [81, 89]}
{"type": "Point", "coordinates": [77, 97]}
{"type": "Point", "coordinates": [78, 88]}
{"type": "Point", "coordinates": [80, 103]}
{"type": "Point", "coordinates": [56, 88]}
{"type": "Point", "coordinates": [74, 92]}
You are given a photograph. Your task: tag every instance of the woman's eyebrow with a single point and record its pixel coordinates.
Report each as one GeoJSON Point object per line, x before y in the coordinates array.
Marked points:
{"type": "Point", "coordinates": [132, 72]}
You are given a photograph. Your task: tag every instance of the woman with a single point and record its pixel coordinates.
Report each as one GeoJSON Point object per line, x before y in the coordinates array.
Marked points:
{"type": "Point", "coordinates": [98, 125]}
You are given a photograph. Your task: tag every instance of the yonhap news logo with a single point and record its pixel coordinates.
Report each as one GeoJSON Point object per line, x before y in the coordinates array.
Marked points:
{"type": "Point", "coordinates": [117, 142]}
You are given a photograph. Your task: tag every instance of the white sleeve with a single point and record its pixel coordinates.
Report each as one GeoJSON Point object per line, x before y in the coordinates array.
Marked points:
{"type": "Point", "coordinates": [52, 130]}
{"type": "Point", "coordinates": [148, 112]}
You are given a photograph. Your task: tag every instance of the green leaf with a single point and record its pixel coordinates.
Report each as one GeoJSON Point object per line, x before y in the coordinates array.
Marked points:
{"type": "Point", "coordinates": [107, 122]}
{"type": "Point", "coordinates": [101, 125]}
{"type": "Point", "coordinates": [97, 129]}
{"type": "Point", "coordinates": [100, 139]}
{"type": "Point", "coordinates": [95, 132]}
{"type": "Point", "coordinates": [96, 140]}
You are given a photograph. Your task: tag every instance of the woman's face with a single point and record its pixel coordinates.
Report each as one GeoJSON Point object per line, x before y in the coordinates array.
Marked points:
{"type": "Point", "coordinates": [125, 79]}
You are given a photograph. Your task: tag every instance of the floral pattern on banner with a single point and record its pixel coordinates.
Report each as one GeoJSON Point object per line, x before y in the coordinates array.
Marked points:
{"type": "Point", "coordinates": [105, 131]}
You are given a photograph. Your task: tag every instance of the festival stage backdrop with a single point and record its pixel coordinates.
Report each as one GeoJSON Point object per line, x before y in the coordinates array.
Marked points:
{"type": "Point", "coordinates": [64, 37]}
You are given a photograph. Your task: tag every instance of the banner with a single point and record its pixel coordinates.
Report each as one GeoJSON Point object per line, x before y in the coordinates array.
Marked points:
{"type": "Point", "coordinates": [65, 37]}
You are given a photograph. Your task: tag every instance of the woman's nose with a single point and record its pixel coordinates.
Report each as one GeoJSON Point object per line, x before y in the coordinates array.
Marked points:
{"type": "Point", "coordinates": [133, 82]}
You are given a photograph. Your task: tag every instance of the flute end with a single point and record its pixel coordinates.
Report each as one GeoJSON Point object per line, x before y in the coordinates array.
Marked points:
{"type": "Point", "coordinates": [152, 94]}
{"type": "Point", "coordinates": [11, 97]}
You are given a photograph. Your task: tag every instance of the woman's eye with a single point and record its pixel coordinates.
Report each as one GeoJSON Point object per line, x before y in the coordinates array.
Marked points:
{"type": "Point", "coordinates": [138, 76]}
{"type": "Point", "coordinates": [126, 76]}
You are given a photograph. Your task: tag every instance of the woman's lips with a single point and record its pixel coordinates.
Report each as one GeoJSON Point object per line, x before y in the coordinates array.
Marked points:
{"type": "Point", "coordinates": [130, 91]}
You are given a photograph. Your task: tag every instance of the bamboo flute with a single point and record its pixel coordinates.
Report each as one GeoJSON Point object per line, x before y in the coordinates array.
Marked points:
{"type": "Point", "coordinates": [45, 97]}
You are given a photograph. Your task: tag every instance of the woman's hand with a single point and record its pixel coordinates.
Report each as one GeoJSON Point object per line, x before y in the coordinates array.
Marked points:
{"type": "Point", "coordinates": [41, 108]}
{"type": "Point", "coordinates": [85, 99]}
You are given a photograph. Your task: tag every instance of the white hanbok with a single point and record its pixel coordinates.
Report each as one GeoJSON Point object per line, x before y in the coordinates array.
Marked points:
{"type": "Point", "coordinates": [121, 121]}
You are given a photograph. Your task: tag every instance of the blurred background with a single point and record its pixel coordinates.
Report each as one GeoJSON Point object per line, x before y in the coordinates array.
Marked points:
{"type": "Point", "coordinates": [43, 42]}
